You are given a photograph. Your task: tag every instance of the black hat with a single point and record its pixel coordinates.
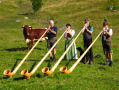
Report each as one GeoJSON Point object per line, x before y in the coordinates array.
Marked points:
{"type": "Point", "coordinates": [105, 22]}
{"type": "Point", "coordinates": [68, 24]}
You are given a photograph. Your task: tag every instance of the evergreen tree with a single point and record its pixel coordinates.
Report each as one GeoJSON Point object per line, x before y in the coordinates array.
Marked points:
{"type": "Point", "coordinates": [36, 5]}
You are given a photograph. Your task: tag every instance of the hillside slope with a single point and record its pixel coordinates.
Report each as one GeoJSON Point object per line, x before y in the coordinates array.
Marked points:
{"type": "Point", "coordinates": [13, 47]}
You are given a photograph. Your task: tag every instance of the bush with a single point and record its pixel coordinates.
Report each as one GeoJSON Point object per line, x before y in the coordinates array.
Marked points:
{"type": "Point", "coordinates": [36, 5]}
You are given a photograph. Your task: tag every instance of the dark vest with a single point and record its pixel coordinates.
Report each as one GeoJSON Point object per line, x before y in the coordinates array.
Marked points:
{"type": "Point", "coordinates": [87, 35]}
{"type": "Point", "coordinates": [108, 38]}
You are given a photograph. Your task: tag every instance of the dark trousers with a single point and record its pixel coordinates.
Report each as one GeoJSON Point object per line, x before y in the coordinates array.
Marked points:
{"type": "Point", "coordinates": [89, 54]}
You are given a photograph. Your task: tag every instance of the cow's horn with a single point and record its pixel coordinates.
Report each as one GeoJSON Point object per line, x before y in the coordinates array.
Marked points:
{"type": "Point", "coordinates": [23, 26]}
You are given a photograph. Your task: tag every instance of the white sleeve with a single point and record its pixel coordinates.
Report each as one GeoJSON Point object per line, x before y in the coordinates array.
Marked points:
{"type": "Point", "coordinates": [111, 32]}
{"type": "Point", "coordinates": [73, 33]}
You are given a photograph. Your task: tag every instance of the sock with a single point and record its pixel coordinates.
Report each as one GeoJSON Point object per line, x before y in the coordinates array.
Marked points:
{"type": "Point", "coordinates": [111, 60]}
{"type": "Point", "coordinates": [53, 57]}
{"type": "Point", "coordinates": [107, 60]}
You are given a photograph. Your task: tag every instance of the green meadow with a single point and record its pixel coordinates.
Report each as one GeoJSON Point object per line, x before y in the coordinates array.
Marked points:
{"type": "Point", "coordinates": [13, 47]}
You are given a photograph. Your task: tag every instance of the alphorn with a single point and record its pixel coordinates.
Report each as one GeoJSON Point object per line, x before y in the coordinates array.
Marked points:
{"type": "Point", "coordinates": [46, 69]}
{"type": "Point", "coordinates": [64, 68]}
{"type": "Point", "coordinates": [9, 73]}
{"type": "Point", "coordinates": [28, 75]}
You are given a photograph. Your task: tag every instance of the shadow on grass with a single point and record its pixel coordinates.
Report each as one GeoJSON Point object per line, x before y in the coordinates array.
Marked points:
{"type": "Point", "coordinates": [102, 63]}
{"type": "Point", "coordinates": [5, 77]}
{"type": "Point", "coordinates": [28, 60]}
{"type": "Point", "coordinates": [19, 49]}
{"type": "Point", "coordinates": [38, 75]}
{"type": "Point", "coordinates": [67, 63]}
{"type": "Point", "coordinates": [14, 66]}
{"type": "Point", "coordinates": [16, 49]}
{"type": "Point", "coordinates": [49, 64]}
{"type": "Point", "coordinates": [102, 68]}
{"type": "Point", "coordinates": [19, 78]}
{"type": "Point", "coordinates": [24, 14]}
{"type": "Point", "coordinates": [32, 66]}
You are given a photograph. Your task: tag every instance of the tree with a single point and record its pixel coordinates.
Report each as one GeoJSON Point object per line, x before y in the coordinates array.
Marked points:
{"type": "Point", "coordinates": [36, 5]}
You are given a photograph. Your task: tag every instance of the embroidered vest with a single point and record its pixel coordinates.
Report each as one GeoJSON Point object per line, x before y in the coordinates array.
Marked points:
{"type": "Point", "coordinates": [108, 38]}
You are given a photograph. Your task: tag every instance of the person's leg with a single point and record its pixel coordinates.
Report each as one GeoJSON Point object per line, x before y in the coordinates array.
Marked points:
{"type": "Point", "coordinates": [91, 56]}
{"type": "Point", "coordinates": [106, 53]}
{"type": "Point", "coordinates": [54, 53]}
{"type": "Point", "coordinates": [50, 55]}
{"type": "Point", "coordinates": [85, 47]}
{"type": "Point", "coordinates": [110, 54]}
{"type": "Point", "coordinates": [49, 47]}
{"type": "Point", "coordinates": [107, 58]}
{"type": "Point", "coordinates": [54, 40]}
{"type": "Point", "coordinates": [91, 53]}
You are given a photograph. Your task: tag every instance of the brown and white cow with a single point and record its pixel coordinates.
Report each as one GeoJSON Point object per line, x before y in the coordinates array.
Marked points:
{"type": "Point", "coordinates": [31, 34]}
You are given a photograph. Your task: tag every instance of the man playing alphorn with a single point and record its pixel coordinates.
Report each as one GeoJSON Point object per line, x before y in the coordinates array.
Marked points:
{"type": "Point", "coordinates": [52, 33]}
{"type": "Point", "coordinates": [106, 42]}
{"type": "Point", "coordinates": [87, 38]}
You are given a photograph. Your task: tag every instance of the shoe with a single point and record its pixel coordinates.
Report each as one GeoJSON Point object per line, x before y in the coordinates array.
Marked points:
{"type": "Point", "coordinates": [87, 62]}
{"type": "Point", "coordinates": [84, 61]}
{"type": "Point", "coordinates": [110, 64]}
{"type": "Point", "coordinates": [91, 62]}
{"type": "Point", "coordinates": [107, 62]}
{"type": "Point", "coordinates": [75, 60]}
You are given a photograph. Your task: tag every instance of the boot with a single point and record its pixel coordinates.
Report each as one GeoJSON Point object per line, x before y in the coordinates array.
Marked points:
{"type": "Point", "coordinates": [51, 59]}
{"type": "Point", "coordinates": [84, 61]}
{"type": "Point", "coordinates": [90, 62]}
{"type": "Point", "coordinates": [54, 58]}
{"type": "Point", "coordinates": [87, 62]}
{"type": "Point", "coordinates": [110, 64]}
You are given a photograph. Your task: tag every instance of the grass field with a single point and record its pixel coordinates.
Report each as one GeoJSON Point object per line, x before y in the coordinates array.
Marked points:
{"type": "Point", "coordinates": [13, 47]}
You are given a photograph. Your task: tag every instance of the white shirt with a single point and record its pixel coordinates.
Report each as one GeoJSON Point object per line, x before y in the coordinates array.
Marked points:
{"type": "Point", "coordinates": [110, 31]}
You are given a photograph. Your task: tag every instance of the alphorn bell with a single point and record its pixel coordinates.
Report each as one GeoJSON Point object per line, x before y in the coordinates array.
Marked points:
{"type": "Point", "coordinates": [64, 68]}
{"type": "Point", "coordinates": [46, 69]}
{"type": "Point", "coordinates": [10, 74]}
{"type": "Point", "coordinates": [28, 75]}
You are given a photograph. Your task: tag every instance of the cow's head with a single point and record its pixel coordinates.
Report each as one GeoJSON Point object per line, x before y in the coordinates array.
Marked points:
{"type": "Point", "coordinates": [26, 29]}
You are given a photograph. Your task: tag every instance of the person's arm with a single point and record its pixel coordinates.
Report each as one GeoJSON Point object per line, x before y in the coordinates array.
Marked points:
{"type": "Point", "coordinates": [101, 33]}
{"type": "Point", "coordinates": [54, 32]}
{"type": "Point", "coordinates": [90, 31]}
{"type": "Point", "coordinates": [70, 33]}
{"type": "Point", "coordinates": [82, 31]}
{"type": "Point", "coordinates": [65, 34]}
{"type": "Point", "coordinates": [109, 33]}
{"type": "Point", "coordinates": [68, 30]}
